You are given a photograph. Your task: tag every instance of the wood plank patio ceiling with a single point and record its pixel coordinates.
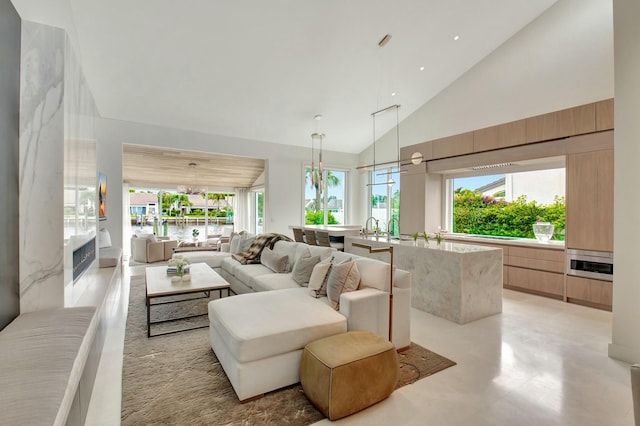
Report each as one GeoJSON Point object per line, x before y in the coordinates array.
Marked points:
{"type": "Point", "coordinates": [163, 168]}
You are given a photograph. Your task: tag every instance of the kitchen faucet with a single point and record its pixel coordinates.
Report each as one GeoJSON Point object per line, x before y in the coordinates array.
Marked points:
{"type": "Point", "coordinates": [393, 219]}
{"type": "Point", "coordinates": [366, 227]}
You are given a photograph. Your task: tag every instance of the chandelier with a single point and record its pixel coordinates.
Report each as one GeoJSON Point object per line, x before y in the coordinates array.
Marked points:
{"type": "Point", "coordinates": [191, 189]}
{"type": "Point", "coordinates": [316, 140]}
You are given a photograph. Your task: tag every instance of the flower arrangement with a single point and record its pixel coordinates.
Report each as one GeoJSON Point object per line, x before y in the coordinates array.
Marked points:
{"type": "Point", "coordinates": [180, 263]}
{"type": "Point", "coordinates": [195, 234]}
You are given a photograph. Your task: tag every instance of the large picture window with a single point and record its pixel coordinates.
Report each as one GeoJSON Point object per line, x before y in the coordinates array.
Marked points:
{"type": "Point", "coordinates": [385, 199]}
{"type": "Point", "coordinates": [325, 204]}
{"type": "Point", "coordinates": [508, 204]}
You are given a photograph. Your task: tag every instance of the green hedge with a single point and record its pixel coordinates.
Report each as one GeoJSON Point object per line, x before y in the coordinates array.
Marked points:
{"type": "Point", "coordinates": [474, 213]}
{"type": "Point", "coordinates": [317, 218]}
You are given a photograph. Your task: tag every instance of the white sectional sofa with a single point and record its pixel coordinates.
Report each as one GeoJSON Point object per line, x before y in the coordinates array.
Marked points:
{"type": "Point", "coordinates": [259, 335]}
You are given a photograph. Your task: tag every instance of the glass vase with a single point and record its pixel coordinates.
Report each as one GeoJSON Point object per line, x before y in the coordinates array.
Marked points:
{"type": "Point", "coordinates": [543, 231]}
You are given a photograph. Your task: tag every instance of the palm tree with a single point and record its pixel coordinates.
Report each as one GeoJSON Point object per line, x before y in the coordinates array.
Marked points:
{"type": "Point", "coordinates": [332, 181]}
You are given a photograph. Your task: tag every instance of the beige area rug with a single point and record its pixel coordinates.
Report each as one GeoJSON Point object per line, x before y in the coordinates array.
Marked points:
{"type": "Point", "coordinates": [176, 379]}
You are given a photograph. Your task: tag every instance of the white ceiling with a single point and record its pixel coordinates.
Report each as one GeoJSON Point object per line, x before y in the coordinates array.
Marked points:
{"type": "Point", "coordinates": [261, 70]}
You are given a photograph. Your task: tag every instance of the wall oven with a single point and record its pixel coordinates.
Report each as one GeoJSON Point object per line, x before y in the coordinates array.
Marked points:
{"type": "Point", "coordinates": [590, 264]}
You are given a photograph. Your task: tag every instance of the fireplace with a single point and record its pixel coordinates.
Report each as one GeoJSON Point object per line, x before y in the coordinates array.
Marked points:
{"type": "Point", "coordinates": [83, 257]}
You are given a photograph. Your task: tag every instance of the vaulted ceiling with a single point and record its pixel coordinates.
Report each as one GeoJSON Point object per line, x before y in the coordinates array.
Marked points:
{"type": "Point", "coordinates": [261, 70]}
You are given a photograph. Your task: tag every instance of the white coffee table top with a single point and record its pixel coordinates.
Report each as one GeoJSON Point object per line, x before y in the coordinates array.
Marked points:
{"type": "Point", "coordinates": [203, 278]}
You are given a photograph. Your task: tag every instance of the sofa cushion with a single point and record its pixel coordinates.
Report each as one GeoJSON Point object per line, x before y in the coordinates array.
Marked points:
{"type": "Point", "coordinates": [274, 261]}
{"type": "Point", "coordinates": [259, 325]}
{"type": "Point", "coordinates": [373, 273]}
{"type": "Point", "coordinates": [270, 282]}
{"type": "Point", "coordinates": [229, 265]}
{"type": "Point", "coordinates": [245, 242]}
{"type": "Point", "coordinates": [212, 258]}
{"type": "Point", "coordinates": [318, 279]}
{"type": "Point", "coordinates": [343, 278]}
{"type": "Point", "coordinates": [303, 268]}
{"type": "Point", "coordinates": [151, 237]}
{"type": "Point", "coordinates": [246, 273]}
{"type": "Point", "coordinates": [305, 250]}
{"type": "Point", "coordinates": [289, 248]}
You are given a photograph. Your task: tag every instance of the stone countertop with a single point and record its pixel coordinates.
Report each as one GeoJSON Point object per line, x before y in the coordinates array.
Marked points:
{"type": "Point", "coordinates": [523, 242]}
{"type": "Point", "coordinates": [445, 246]}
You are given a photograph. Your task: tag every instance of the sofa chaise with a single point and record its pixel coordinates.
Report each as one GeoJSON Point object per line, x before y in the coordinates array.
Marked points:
{"type": "Point", "coordinates": [259, 335]}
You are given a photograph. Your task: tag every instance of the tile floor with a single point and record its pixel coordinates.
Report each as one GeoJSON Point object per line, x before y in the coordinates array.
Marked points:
{"type": "Point", "coordinates": [540, 362]}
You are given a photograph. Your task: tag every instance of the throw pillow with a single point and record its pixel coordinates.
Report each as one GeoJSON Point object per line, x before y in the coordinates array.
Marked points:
{"type": "Point", "coordinates": [234, 241]}
{"type": "Point", "coordinates": [303, 268]}
{"type": "Point", "coordinates": [277, 263]}
{"type": "Point", "coordinates": [343, 278]}
{"type": "Point", "coordinates": [244, 243]}
{"type": "Point", "coordinates": [318, 278]}
{"type": "Point", "coordinates": [104, 239]}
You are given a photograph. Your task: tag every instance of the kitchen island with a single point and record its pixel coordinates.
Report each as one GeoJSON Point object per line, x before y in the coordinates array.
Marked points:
{"type": "Point", "coordinates": [457, 282]}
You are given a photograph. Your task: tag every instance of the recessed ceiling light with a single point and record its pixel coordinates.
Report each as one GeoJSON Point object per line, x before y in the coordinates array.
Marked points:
{"type": "Point", "coordinates": [421, 68]}
{"type": "Point", "coordinates": [393, 93]}
{"type": "Point", "coordinates": [456, 38]}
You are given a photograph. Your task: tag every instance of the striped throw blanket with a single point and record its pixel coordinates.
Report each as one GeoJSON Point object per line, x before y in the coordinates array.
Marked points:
{"type": "Point", "coordinates": [252, 255]}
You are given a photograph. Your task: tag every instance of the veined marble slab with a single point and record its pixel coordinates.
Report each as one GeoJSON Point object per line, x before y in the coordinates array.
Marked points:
{"type": "Point", "coordinates": [458, 282]}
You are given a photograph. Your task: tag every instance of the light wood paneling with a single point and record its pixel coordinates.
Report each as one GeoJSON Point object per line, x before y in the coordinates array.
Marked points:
{"type": "Point", "coordinates": [424, 148]}
{"type": "Point", "coordinates": [501, 136]}
{"type": "Point", "coordinates": [593, 291]}
{"type": "Point", "coordinates": [539, 281]}
{"type": "Point", "coordinates": [560, 124]}
{"type": "Point", "coordinates": [592, 142]}
{"type": "Point", "coordinates": [147, 167]}
{"type": "Point", "coordinates": [589, 198]}
{"type": "Point", "coordinates": [453, 145]}
{"type": "Point", "coordinates": [535, 253]}
{"type": "Point", "coordinates": [604, 115]}
{"type": "Point", "coordinates": [543, 265]}
{"type": "Point", "coordinates": [412, 199]}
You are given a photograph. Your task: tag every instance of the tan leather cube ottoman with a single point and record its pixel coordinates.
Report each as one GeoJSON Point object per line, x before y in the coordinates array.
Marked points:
{"type": "Point", "coordinates": [347, 372]}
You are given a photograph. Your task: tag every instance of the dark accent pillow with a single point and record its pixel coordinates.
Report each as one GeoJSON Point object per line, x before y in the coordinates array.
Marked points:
{"type": "Point", "coordinates": [303, 268]}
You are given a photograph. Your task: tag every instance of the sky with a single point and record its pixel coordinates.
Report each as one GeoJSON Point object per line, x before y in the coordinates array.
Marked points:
{"type": "Point", "coordinates": [475, 182]}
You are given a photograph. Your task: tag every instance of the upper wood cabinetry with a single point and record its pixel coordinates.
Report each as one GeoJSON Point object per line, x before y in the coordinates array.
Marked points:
{"type": "Point", "coordinates": [501, 136]}
{"type": "Point", "coordinates": [453, 145]}
{"type": "Point", "coordinates": [560, 124]}
{"type": "Point", "coordinates": [604, 115]}
{"type": "Point", "coordinates": [589, 201]}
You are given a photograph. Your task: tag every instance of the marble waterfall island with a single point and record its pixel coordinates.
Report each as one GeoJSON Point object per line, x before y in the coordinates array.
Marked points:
{"type": "Point", "coordinates": [457, 282]}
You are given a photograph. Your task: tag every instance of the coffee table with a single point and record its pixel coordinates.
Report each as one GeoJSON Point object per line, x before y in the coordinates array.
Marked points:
{"type": "Point", "coordinates": [159, 284]}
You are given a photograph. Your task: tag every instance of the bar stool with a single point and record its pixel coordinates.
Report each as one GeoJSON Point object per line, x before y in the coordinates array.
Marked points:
{"type": "Point", "coordinates": [325, 241]}
{"type": "Point", "coordinates": [298, 235]}
{"type": "Point", "coordinates": [311, 237]}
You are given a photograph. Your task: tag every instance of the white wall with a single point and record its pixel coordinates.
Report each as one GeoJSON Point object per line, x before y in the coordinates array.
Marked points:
{"type": "Point", "coordinates": [283, 176]}
{"type": "Point", "coordinates": [625, 342]}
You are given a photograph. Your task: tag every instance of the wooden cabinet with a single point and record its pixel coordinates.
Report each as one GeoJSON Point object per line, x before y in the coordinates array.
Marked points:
{"type": "Point", "coordinates": [560, 124]}
{"type": "Point", "coordinates": [453, 145]}
{"type": "Point", "coordinates": [585, 291]}
{"type": "Point", "coordinates": [501, 136]}
{"type": "Point", "coordinates": [542, 282]}
{"type": "Point", "coordinates": [536, 270]}
{"type": "Point", "coordinates": [604, 115]}
{"type": "Point", "coordinates": [412, 200]}
{"type": "Point", "coordinates": [589, 201]}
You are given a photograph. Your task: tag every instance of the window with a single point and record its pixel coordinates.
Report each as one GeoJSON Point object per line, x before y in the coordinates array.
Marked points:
{"type": "Point", "coordinates": [507, 204]}
{"type": "Point", "coordinates": [325, 206]}
{"type": "Point", "coordinates": [385, 198]}
{"type": "Point", "coordinates": [258, 211]}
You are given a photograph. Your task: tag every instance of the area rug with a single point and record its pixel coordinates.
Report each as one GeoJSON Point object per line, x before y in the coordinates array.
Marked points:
{"type": "Point", "coordinates": [176, 379]}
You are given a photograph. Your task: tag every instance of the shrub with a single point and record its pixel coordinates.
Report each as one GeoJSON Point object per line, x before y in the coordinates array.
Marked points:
{"type": "Point", "coordinates": [317, 218]}
{"type": "Point", "coordinates": [474, 213]}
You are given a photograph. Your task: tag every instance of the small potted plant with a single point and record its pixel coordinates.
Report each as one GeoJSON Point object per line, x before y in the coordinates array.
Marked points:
{"type": "Point", "coordinates": [195, 234]}
{"type": "Point", "coordinates": [439, 238]}
{"type": "Point", "coordinates": [426, 238]}
{"type": "Point", "coordinates": [415, 236]}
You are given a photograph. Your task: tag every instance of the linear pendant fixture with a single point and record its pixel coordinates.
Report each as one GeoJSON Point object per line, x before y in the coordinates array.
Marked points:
{"type": "Point", "coordinates": [389, 182]}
